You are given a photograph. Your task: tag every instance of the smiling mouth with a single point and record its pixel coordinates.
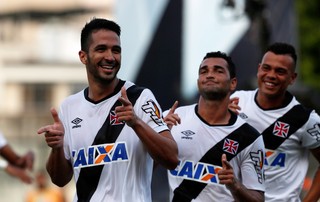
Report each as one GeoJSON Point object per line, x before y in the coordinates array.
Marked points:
{"type": "Point", "coordinates": [210, 82]}
{"type": "Point", "coordinates": [106, 66]}
{"type": "Point", "coordinates": [269, 84]}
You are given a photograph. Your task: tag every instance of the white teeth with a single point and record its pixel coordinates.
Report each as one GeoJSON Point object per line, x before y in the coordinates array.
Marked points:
{"type": "Point", "coordinates": [269, 84]}
{"type": "Point", "coordinates": [106, 67]}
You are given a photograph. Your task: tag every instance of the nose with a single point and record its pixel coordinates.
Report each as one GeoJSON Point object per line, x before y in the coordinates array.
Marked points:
{"type": "Point", "coordinates": [271, 74]}
{"type": "Point", "coordinates": [210, 74]}
{"type": "Point", "coordinates": [109, 55]}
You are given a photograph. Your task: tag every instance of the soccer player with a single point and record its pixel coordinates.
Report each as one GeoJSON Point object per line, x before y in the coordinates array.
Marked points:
{"type": "Point", "coordinates": [289, 130]}
{"type": "Point", "coordinates": [221, 157]}
{"type": "Point", "coordinates": [109, 134]}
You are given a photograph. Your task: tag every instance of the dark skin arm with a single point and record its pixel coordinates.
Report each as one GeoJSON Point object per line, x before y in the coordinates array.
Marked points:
{"type": "Point", "coordinates": [18, 173]}
{"type": "Point", "coordinates": [18, 166]}
{"type": "Point", "coordinates": [237, 189]}
{"type": "Point", "coordinates": [162, 148]}
{"type": "Point", "coordinates": [25, 161]}
{"type": "Point", "coordinates": [314, 193]}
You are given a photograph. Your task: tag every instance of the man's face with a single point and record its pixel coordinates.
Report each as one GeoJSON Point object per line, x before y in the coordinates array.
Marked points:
{"type": "Point", "coordinates": [214, 81]}
{"type": "Point", "coordinates": [275, 74]}
{"type": "Point", "coordinates": [104, 56]}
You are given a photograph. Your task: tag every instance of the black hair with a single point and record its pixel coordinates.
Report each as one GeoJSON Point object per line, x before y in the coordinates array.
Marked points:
{"type": "Point", "coordinates": [218, 54]}
{"type": "Point", "coordinates": [280, 48]}
{"type": "Point", "coordinates": [97, 24]}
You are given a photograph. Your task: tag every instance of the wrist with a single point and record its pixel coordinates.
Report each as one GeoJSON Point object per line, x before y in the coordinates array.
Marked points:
{"type": "Point", "coordinates": [235, 187]}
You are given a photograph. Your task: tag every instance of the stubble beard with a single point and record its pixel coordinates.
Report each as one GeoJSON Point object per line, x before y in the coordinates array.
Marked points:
{"type": "Point", "coordinates": [104, 80]}
{"type": "Point", "coordinates": [217, 95]}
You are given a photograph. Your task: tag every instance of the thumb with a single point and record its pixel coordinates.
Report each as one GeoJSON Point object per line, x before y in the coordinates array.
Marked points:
{"type": "Point", "coordinates": [224, 161]}
{"type": "Point", "coordinates": [124, 98]}
{"type": "Point", "coordinates": [124, 93]}
{"type": "Point", "coordinates": [174, 107]}
{"type": "Point", "coordinates": [234, 100]}
{"type": "Point", "coordinates": [54, 115]}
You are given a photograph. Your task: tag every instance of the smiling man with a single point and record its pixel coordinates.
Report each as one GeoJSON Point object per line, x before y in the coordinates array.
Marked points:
{"type": "Point", "coordinates": [221, 156]}
{"type": "Point", "coordinates": [290, 131]}
{"type": "Point", "coordinates": [109, 134]}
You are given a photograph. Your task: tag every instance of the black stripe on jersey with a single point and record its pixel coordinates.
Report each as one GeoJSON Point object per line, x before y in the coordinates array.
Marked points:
{"type": "Point", "coordinates": [245, 135]}
{"type": "Point", "coordinates": [296, 117]}
{"type": "Point", "coordinates": [89, 176]}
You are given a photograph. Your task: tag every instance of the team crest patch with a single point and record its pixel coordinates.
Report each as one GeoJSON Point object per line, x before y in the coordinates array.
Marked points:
{"type": "Point", "coordinates": [315, 131]}
{"type": "Point", "coordinates": [152, 109]}
{"type": "Point", "coordinates": [230, 146]}
{"type": "Point", "coordinates": [281, 129]}
{"type": "Point", "coordinates": [114, 119]}
{"type": "Point", "coordinates": [258, 160]}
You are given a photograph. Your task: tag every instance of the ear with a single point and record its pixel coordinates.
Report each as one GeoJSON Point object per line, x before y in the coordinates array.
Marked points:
{"type": "Point", "coordinates": [293, 78]}
{"type": "Point", "coordinates": [83, 57]}
{"type": "Point", "coordinates": [259, 65]}
{"type": "Point", "coordinates": [233, 84]}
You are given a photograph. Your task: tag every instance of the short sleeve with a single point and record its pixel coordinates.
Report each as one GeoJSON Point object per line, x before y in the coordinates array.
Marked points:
{"type": "Point", "coordinates": [311, 132]}
{"type": "Point", "coordinates": [149, 110]}
{"type": "Point", "coordinates": [253, 163]}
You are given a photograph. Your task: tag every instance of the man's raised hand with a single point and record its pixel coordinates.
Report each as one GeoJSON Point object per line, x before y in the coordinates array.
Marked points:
{"type": "Point", "coordinates": [125, 112]}
{"type": "Point", "coordinates": [172, 119]}
{"type": "Point", "coordinates": [53, 133]}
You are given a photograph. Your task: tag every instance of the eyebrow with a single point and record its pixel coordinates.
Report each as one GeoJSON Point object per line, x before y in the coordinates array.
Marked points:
{"type": "Point", "coordinates": [105, 46]}
{"type": "Point", "coordinates": [215, 66]}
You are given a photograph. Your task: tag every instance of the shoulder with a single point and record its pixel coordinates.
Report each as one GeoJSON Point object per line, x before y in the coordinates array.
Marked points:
{"type": "Point", "coordinates": [186, 109]}
{"type": "Point", "coordinates": [313, 122]}
{"type": "Point", "coordinates": [243, 93]}
{"type": "Point", "coordinates": [303, 113]}
{"type": "Point", "coordinates": [74, 97]}
{"type": "Point", "coordinates": [245, 130]}
{"type": "Point", "coordinates": [136, 90]}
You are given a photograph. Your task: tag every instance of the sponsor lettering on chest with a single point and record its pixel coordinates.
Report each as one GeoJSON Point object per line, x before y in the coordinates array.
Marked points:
{"type": "Point", "coordinates": [100, 154]}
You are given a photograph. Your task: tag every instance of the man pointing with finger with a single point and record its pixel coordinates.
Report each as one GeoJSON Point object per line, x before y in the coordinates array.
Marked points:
{"type": "Point", "coordinates": [221, 157]}
{"type": "Point", "coordinates": [108, 135]}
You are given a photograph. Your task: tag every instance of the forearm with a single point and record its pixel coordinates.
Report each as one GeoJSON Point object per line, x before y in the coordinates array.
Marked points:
{"type": "Point", "coordinates": [8, 153]}
{"type": "Point", "coordinates": [241, 193]}
{"type": "Point", "coordinates": [314, 194]}
{"type": "Point", "coordinates": [59, 169]}
{"type": "Point", "coordinates": [162, 148]}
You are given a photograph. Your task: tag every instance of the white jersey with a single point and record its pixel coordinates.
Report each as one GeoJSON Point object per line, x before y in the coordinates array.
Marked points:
{"type": "Point", "coordinates": [198, 141]}
{"type": "Point", "coordinates": [109, 161]}
{"type": "Point", "coordinates": [286, 165]}
{"type": "Point", "coordinates": [3, 140]}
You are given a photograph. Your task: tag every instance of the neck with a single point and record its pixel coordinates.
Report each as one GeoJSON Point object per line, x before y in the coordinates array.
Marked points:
{"type": "Point", "coordinates": [98, 91]}
{"type": "Point", "coordinates": [214, 112]}
{"type": "Point", "coordinates": [269, 102]}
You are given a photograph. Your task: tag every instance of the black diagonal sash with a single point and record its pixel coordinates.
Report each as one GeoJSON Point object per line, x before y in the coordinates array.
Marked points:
{"type": "Point", "coordinates": [296, 117]}
{"type": "Point", "coordinates": [189, 189]}
{"type": "Point", "coordinates": [89, 176]}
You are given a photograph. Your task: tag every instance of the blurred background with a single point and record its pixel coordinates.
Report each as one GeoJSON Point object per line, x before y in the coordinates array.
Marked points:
{"type": "Point", "coordinates": [163, 42]}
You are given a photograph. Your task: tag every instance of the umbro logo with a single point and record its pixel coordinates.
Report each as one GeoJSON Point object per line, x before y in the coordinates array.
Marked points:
{"type": "Point", "coordinates": [187, 134]}
{"type": "Point", "coordinates": [76, 122]}
{"type": "Point", "coordinates": [243, 115]}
